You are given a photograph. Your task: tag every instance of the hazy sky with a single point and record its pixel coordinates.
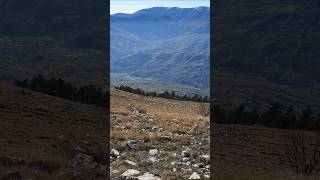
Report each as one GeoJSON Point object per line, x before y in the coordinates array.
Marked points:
{"type": "Point", "coordinates": [131, 6]}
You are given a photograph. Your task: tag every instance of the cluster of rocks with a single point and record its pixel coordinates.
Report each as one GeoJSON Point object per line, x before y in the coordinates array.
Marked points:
{"type": "Point", "coordinates": [189, 160]}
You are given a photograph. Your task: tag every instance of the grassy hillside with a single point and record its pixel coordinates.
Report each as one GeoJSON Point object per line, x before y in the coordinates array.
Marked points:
{"type": "Point", "coordinates": [246, 152]}
{"type": "Point", "coordinates": [42, 137]}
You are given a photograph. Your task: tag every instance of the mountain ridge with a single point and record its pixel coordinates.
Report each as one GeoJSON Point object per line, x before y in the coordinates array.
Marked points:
{"type": "Point", "coordinates": [169, 55]}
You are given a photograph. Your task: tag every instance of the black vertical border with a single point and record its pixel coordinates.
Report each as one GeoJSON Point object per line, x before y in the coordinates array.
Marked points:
{"type": "Point", "coordinates": [212, 52]}
{"type": "Point", "coordinates": [107, 119]}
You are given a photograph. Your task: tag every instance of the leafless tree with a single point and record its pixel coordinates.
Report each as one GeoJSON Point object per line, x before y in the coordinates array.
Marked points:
{"type": "Point", "coordinates": [303, 156]}
{"type": "Point", "coordinates": [204, 109]}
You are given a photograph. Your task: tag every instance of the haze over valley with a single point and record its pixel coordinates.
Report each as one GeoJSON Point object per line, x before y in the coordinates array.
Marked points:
{"type": "Point", "coordinates": [162, 48]}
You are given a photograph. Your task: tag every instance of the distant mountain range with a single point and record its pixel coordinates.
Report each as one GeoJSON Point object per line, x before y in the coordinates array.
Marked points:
{"type": "Point", "coordinates": [277, 40]}
{"type": "Point", "coordinates": [60, 38]}
{"type": "Point", "coordinates": [267, 51]}
{"type": "Point", "coordinates": [76, 23]}
{"type": "Point", "coordinates": [165, 46]}
{"type": "Point", "coordinates": [264, 52]}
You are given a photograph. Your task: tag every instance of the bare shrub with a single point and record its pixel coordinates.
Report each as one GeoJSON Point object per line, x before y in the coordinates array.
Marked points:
{"type": "Point", "coordinates": [204, 109]}
{"type": "Point", "coordinates": [303, 156]}
{"type": "Point", "coordinates": [65, 146]}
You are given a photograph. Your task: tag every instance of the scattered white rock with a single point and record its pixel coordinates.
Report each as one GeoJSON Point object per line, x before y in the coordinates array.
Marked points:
{"type": "Point", "coordinates": [207, 174]}
{"type": "Point", "coordinates": [115, 171]}
{"type": "Point", "coordinates": [129, 173]}
{"type": "Point", "coordinates": [199, 165]}
{"type": "Point", "coordinates": [114, 153]}
{"type": "Point", "coordinates": [195, 175]}
{"type": "Point", "coordinates": [135, 112]}
{"type": "Point", "coordinates": [185, 159]}
{"type": "Point", "coordinates": [153, 159]}
{"type": "Point", "coordinates": [130, 163]}
{"type": "Point", "coordinates": [153, 152]}
{"type": "Point", "coordinates": [205, 157]}
{"type": "Point", "coordinates": [147, 176]}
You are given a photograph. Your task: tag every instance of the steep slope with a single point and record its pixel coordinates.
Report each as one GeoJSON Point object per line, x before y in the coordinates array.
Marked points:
{"type": "Point", "coordinates": [43, 136]}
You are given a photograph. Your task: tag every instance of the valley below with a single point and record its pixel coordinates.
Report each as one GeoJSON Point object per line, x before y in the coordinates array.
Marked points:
{"type": "Point", "coordinates": [146, 54]}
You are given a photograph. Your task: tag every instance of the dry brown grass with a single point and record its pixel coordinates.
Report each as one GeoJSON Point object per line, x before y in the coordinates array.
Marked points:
{"type": "Point", "coordinates": [173, 126]}
{"type": "Point", "coordinates": [173, 116]}
{"type": "Point", "coordinates": [31, 128]}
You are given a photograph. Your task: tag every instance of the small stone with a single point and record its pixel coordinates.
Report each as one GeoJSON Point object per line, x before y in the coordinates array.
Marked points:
{"type": "Point", "coordinates": [166, 138]}
{"type": "Point", "coordinates": [129, 173]}
{"type": "Point", "coordinates": [185, 154]}
{"type": "Point", "coordinates": [152, 159]}
{"type": "Point", "coordinates": [114, 153]}
{"type": "Point", "coordinates": [147, 176]}
{"type": "Point", "coordinates": [153, 152]}
{"type": "Point", "coordinates": [114, 171]}
{"type": "Point", "coordinates": [84, 161]}
{"type": "Point", "coordinates": [185, 159]}
{"type": "Point", "coordinates": [199, 165]}
{"type": "Point", "coordinates": [135, 112]}
{"type": "Point", "coordinates": [205, 158]}
{"type": "Point", "coordinates": [195, 175]}
{"type": "Point", "coordinates": [131, 144]}
{"type": "Point", "coordinates": [130, 163]}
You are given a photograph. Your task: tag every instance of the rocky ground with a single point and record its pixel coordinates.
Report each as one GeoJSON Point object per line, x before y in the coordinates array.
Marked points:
{"type": "Point", "coordinates": [44, 137]}
{"type": "Point", "coordinates": [155, 138]}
